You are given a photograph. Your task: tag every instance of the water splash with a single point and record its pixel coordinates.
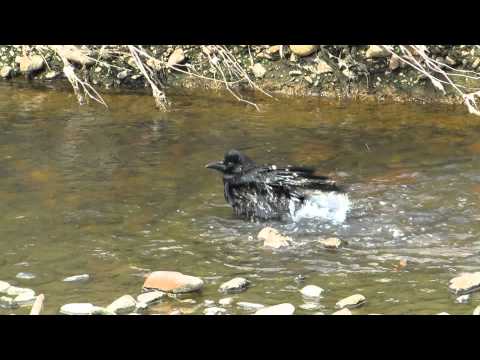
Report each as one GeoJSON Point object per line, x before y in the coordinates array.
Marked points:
{"type": "Point", "coordinates": [326, 205]}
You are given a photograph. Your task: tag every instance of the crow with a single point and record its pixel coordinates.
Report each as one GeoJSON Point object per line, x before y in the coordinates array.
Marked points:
{"type": "Point", "coordinates": [264, 192]}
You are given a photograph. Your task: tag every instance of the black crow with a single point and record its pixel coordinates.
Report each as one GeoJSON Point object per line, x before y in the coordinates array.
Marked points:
{"type": "Point", "coordinates": [268, 191]}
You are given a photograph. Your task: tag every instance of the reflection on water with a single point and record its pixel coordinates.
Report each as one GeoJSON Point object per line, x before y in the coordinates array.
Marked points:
{"type": "Point", "coordinates": [118, 193]}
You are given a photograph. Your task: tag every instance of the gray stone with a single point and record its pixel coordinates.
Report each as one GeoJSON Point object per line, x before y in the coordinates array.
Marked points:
{"type": "Point", "coordinates": [6, 72]}
{"type": "Point", "coordinates": [237, 284]}
{"type": "Point", "coordinates": [122, 74]}
{"type": "Point", "coordinates": [15, 291]}
{"type": "Point", "coordinates": [7, 302]}
{"type": "Point", "coordinates": [259, 70]}
{"type": "Point", "coordinates": [123, 305]}
{"type": "Point", "coordinates": [249, 306]}
{"type": "Point", "coordinates": [78, 309]}
{"type": "Point", "coordinates": [464, 299]}
{"type": "Point", "coordinates": [280, 309]}
{"type": "Point", "coordinates": [98, 310]}
{"type": "Point", "coordinates": [312, 291]}
{"type": "Point", "coordinates": [465, 283]}
{"type": "Point", "coordinates": [310, 306]}
{"type": "Point", "coordinates": [4, 287]}
{"type": "Point", "coordinates": [77, 278]}
{"type": "Point", "coordinates": [351, 302]}
{"type": "Point", "coordinates": [26, 298]}
{"type": "Point", "coordinates": [215, 311]}
{"type": "Point", "coordinates": [25, 276]}
{"type": "Point", "coordinates": [226, 301]}
{"type": "Point", "coordinates": [150, 297]}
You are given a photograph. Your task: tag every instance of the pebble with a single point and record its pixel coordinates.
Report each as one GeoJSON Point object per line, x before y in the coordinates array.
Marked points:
{"type": "Point", "coordinates": [375, 51]}
{"type": "Point", "coordinates": [462, 299]}
{"type": "Point", "coordinates": [26, 298]}
{"type": "Point", "coordinates": [150, 297]}
{"type": "Point", "coordinates": [15, 291]}
{"type": "Point", "coordinates": [226, 301]}
{"type": "Point", "coordinates": [215, 311]}
{"type": "Point", "coordinates": [237, 284]}
{"type": "Point", "coordinates": [280, 309]}
{"type": "Point", "coordinates": [295, 73]}
{"type": "Point", "coordinates": [477, 310]}
{"type": "Point", "coordinates": [303, 50]}
{"type": "Point", "coordinates": [272, 238]}
{"type": "Point", "coordinates": [122, 74]}
{"type": "Point", "coordinates": [312, 291]}
{"type": "Point", "coordinates": [6, 72]}
{"type": "Point", "coordinates": [177, 57]}
{"type": "Point", "coordinates": [259, 70]}
{"type": "Point", "coordinates": [465, 283]}
{"type": "Point", "coordinates": [77, 309]}
{"type": "Point", "coordinates": [172, 281]}
{"type": "Point", "coordinates": [344, 311]}
{"type": "Point", "coordinates": [77, 278]}
{"type": "Point", "coordinates": [331, 243]}
{"type": "Point", "coordinates": [351, 302]}
{"type": "Point", "coordinates": [4, 286]}
{"type": "Point", "coordinates": [123, 305]}
{"type": "Point", "coordinates": [250, 306]}
{"type": "Point", "coordinates": [7, 302]}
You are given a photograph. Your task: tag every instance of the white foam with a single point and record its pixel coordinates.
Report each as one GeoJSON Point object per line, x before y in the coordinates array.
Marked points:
{"type": "Point", "coordinates": [330, 206]}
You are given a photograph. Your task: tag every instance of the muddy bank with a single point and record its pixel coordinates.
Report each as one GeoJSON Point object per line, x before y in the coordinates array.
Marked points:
{"type": "Point", "coordinates": [365, 73]}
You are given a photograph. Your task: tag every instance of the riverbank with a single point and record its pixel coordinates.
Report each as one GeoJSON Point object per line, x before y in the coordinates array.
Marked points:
{"type": "Point", "coordinates": [365, 73]}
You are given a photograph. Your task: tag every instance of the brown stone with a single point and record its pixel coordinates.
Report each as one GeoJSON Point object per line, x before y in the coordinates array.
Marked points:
{"type": "Point", "coordinates": [465, 283]}
{"type": "Point", "coordinates": [172, 281]}
{"type": "Point", "coordinates": [303, 50]}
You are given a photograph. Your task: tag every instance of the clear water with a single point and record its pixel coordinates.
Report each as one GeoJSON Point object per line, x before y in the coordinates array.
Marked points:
{"type": "Point", "coordinates": [116, 193]}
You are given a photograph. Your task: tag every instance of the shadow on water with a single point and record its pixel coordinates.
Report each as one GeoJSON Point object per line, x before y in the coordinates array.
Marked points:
{"type": "Point", "coordinates": [120, 192]}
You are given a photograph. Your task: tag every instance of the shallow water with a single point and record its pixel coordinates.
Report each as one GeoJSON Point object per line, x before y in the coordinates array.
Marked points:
{"type": "Point", "coordinates": [115, 193]}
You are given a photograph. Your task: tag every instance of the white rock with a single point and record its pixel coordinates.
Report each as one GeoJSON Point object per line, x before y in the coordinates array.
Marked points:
{"type": "Point", "coordinates": [351, 302]}
{"type": "Point", "coordinates": [344, 311]}
{"type": "Point", "coordinates": [310, 306]}
{"type": "Point", "coordinates": [150, 297]}
{"type": "Point", "coordinates": [331, 243]}
{"type": "Point", "coordinates": [226, 301]}
{"type": "Point", "coordinates": [4, 287]}
{"type": "Point", "coordinates": [477, 310]}
{"type": "Point", "coordinates": [312, 291]}
{"type": "Point", "coordinates": [375, 51]}
{"type": "Point", "coordinates": [259, 70]}
{"type": "Point", "coordinates": [123, 305]}
{"type": "Point", "coordinates": [7, 302]}
{"type": "Point", "coordinates": [75, 54]}
{"type": "Point", "coordinates": [272, 238]}
{"type": "Point", "coordinates": [31, 64]}
{"type": "Point", "coordinates": [77, 278]}
{"type": "Point", "coordinates": [443, 313]}
{"type": "Point", "coordinates": [15, 291]}
{"type": "Point", "coordinates": [465, 283]}
{"type": "Point", "coordinates": [77, 309]}
{"type": "Point", "coordinates": [280, 309]}
{"type": "Point", "coordinates": [25, 298]}
{"type": "Point", "coordinates": [208, 302]}
{"type": "Point", "coordinates": [215, 311]}
{"type": "Point", "coordinates": [462, 299]}
{"type": "Point", "coordinates": [6, 71]}
{"type": "Point", "coordinates": [235, 285]}
{"type": "Point", "coordinates": [249, 305]}
{"type": "Point", "coordinates": [25, 276]}
{"type": "Point", "coordinates": [319, 313]}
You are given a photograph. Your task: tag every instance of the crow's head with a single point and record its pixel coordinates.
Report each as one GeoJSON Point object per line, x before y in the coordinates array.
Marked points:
{"type": "Point", "coordinates": [233, 163]}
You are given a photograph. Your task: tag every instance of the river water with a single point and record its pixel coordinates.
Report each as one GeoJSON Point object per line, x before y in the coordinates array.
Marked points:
{"type": "Point", "coordinates": [120, 192]}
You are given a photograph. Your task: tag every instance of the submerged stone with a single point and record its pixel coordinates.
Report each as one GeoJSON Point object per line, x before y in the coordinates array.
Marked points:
{"type": "Point", "coordinates": [123, 305]}
{"type": "Point", "coordinates": [77, 278]}
{"type": "Point", "coordinates": [280, 309]}
{"type": "Point", "coordinates": [351, 302]}
{"type": "Point", "coordinates": [344, 311]}
{"type": "Point", "coordinates": [272, 238]}
{"type": "Point", "coordinates": [150, 297]}
{"type": "Point", "coordinates": [4, 287]}
{"type": "Point", "coordinates": [235, 285]}
{"type": "Point", "coordinates": [465, 283]}
{"type": "Point", "coordinates": [250, 306]}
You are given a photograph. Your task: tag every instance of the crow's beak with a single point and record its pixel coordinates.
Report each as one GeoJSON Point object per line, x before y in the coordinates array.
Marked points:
{"type": "Point", "coordinates": [217, 165]}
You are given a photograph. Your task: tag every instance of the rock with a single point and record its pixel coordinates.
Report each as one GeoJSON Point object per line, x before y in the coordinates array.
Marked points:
{"type": "Point", "coordinates": [77, 278]}
{"type": "Point", "coordinates": [7, 302]}
{"type": "Point", "coordinates": [476, 63]}
{"type": "Point", "coordinates": [323, 67]}
{"type": "Point", "coordinates": [477, 310]}
{"type": "Point", "coordinates": [77, 309]}
{"type": "Point", "coordinates": [272, 238]}
{"type": "Point", "coordinates": [318, 313]}
{"type": "Point", "coordinates": [293, 58]}
{"type": "Point", "coordinates": [15, 291]}
{"type": "Point", "coordinates": [150, 297]}
{"type": "Point", "coordinates": [450, 61]}
{"type": "Point", "coordinates": [331, 243]}
{"type": "Point", "coordinates": [6, 72]}
{"type": "Point", "coordinates": [175, 312]}
{"type": "Point", "coordinates": [141, 306]}
{"type": "Point", "coordinates": [123, 305]}
{"type": "Point", "coordinates": [173, 282]}
{"type": "Point", "coordinates": [25, 276]}
{"type": "Point", "coordinates": [394, 63]}
{"type": "Point", "coordinates": [443, 313]}
{"type": "Point", "coordinates": [310, 306]}
{"type": "Point", "coordinates": [280, 309]}
{"type": "Point", "coordinates": [98, 310]}
{"type": "Point", "coordinates": [31, 64]}
{"type": "Point", "coordinates": [312, 291]}
{"type": "Point", "coordinates": [4, 287]}
{"type": "Point", "coordinates": [250, 306]}
{"type": "Point", "coordinates": [303, 50]}
{"type": "Point", "coordinates": [122, 74]}
{"type": "Point", "coordinates": [273, 49]}
{"type": "Point", "coordinates": [155, 64]}
{"type": "Point", "coordinates": [259, 70]}
{"type": "Point", "coordinates": [215, 311]}
{"type": "Point", "coordinates": [235, 285]}
{"type": "Point", "coordinates": [208, 302]}
{"type": "Point", "coordinates": [375, 51]}
{"type": "Point", "coordinates": [465, 283]}
{"type": "Point", "coordinates": [51, 75]}
{"type": "Point", "coordinates": [26, 298]}
{"type": "Point", "coordinates": [308, 79]}
{"type": "Point", "coordinates": [462, 299]}
{"type": "Point", "coordinates": [351, 302]}
{"type": "Point", "coordinates": [295, 73]}
{"type": "Point", "coordinates": [176, 58]}
{"type": "Point", "coordinates": [226, 301]}
{"type": "Point", "coordinates": [344, 311]}
{"type": "Point", "coordinates": [74, 54]}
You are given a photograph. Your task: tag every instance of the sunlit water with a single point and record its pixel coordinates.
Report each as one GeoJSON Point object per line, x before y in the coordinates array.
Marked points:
{"type": "Point", "coordinates": [120, 192]}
